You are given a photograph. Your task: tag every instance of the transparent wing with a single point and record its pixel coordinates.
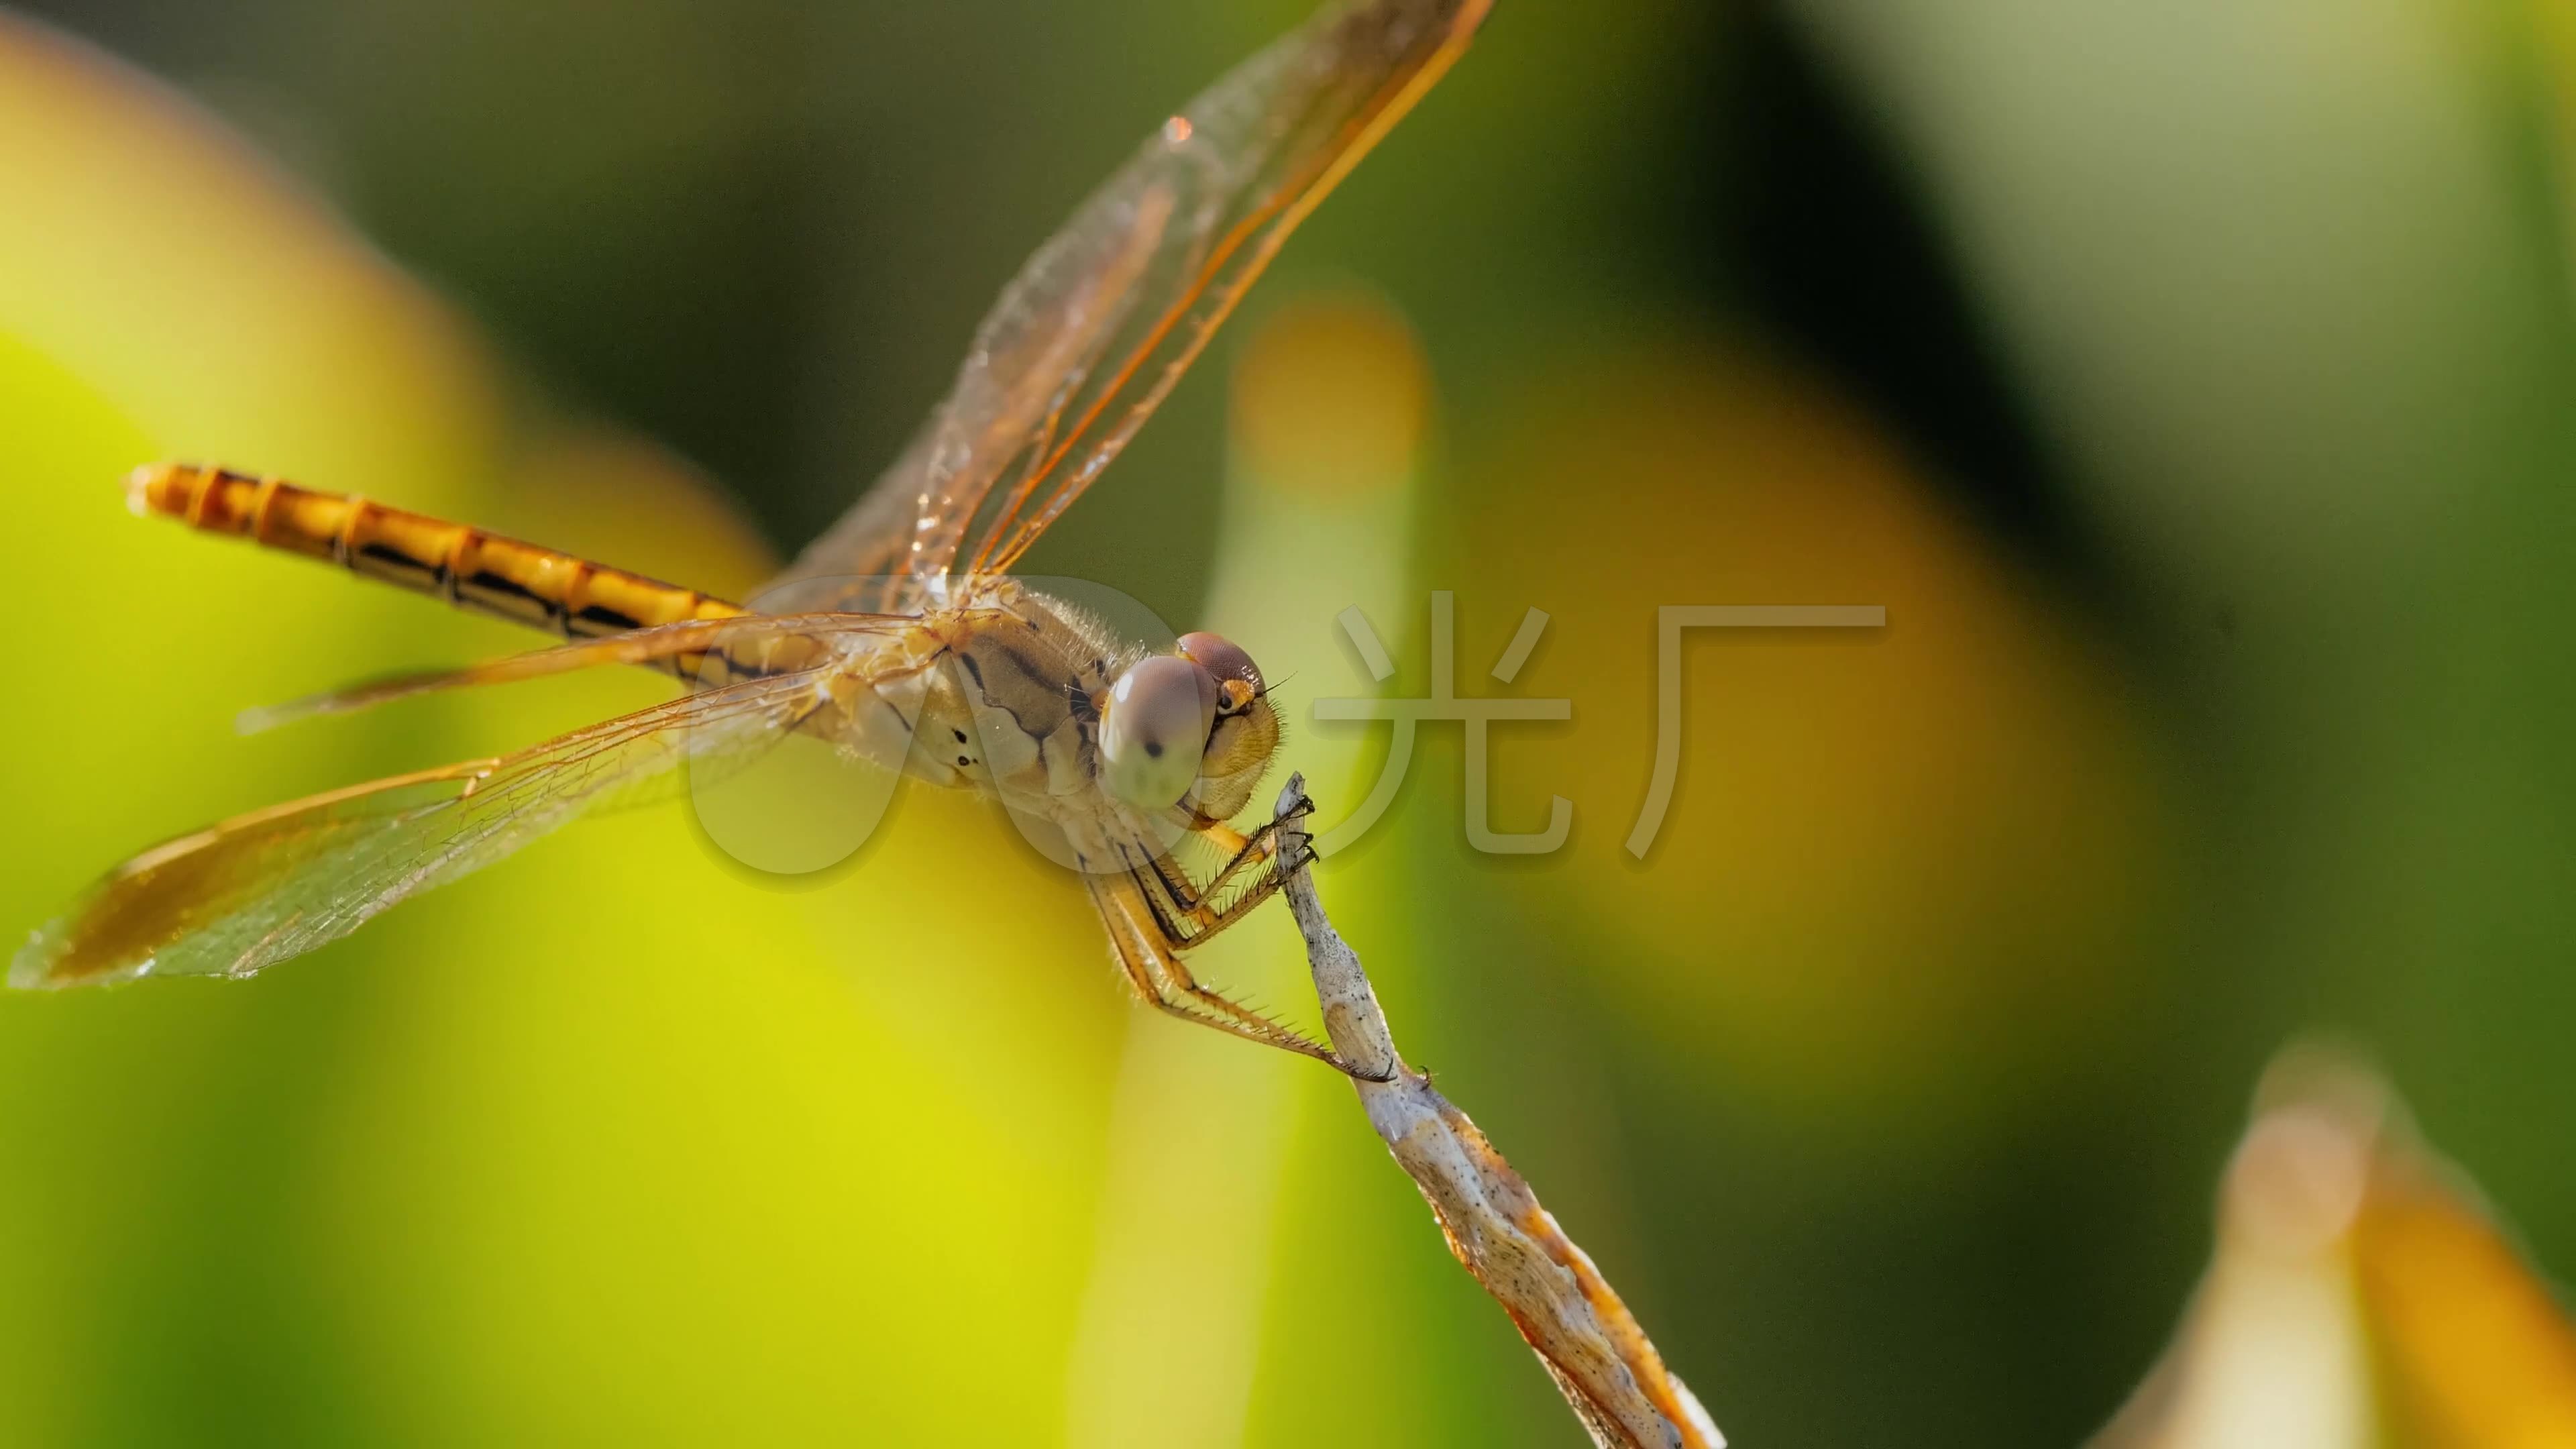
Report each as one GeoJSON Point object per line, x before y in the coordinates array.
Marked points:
{"type": "Point", "coordinates": [260, 888]}
{"type": "Point", "coordinates": [1093, 333]}
{"type": "Point", "coordinates": [702, 651]}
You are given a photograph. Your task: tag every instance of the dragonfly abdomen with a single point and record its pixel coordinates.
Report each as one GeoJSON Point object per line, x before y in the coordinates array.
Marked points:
{"type": "Point", "coordinates": [474, 570]}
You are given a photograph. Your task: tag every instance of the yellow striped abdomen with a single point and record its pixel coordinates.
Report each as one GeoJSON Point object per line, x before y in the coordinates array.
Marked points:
{"type": "Point", "coordinates": [469, 568]}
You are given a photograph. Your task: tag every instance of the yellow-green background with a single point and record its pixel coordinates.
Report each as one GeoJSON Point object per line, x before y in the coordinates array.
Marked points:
{"type": "Point", "coordinates": [2192, 383]}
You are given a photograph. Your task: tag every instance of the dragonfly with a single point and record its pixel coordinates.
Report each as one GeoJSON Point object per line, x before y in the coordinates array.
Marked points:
{"type": "Point", "coordinates": [899, 635]}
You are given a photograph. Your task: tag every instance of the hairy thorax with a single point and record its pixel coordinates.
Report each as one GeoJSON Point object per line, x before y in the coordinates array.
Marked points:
{"type": "Point", "coordinates": [1002, 692]}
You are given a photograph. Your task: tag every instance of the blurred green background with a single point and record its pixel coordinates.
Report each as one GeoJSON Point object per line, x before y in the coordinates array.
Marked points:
{"type": "Point", "coordinates": [2189, 381]}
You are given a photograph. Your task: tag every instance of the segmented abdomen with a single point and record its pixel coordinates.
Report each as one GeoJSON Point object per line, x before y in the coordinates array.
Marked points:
{"type": "Point", "coordinates": [469, 568]}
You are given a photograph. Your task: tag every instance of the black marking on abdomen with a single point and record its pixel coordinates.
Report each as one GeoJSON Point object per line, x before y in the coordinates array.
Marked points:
{"type": "Point", "coordinates": [486, 582]}
{"type": "Point", "coordinates": [379, 552]}
{"type": "Point", "coordinates": [500, 592]}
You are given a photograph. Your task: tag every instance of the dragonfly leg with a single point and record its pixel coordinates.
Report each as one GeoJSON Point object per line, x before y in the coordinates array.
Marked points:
{"type": "Point", "coordinates": [1242, 851]}
{"type": "Point", "coordinates": [1192, 917]}
{"type": "Point", "coordinates": [1152, 962]}
{"type": "Point", "coordinates": [1185, 913]}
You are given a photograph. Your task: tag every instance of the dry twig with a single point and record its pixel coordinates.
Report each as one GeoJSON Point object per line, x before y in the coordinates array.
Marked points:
{"type": "Point", "coordinates": [1599, 1357]}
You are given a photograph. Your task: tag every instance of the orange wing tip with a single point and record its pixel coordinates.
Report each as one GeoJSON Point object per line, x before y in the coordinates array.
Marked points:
{"type": "Point", "coordinates": [27, 969]}
{"type": "Point", "coordinates": [261, 718]}
{"type": "Point", "coordinates": [42, 965]}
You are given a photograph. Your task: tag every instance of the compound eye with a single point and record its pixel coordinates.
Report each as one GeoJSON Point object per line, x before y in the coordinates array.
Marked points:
{"type": "Point", "coordinates": [1154, 730]}
{"type": "Point", "coordinates": [1225, 662]}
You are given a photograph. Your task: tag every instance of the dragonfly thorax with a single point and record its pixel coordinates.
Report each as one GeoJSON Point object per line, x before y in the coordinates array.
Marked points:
{"type": "Point", "coordinates": [1040, 703]}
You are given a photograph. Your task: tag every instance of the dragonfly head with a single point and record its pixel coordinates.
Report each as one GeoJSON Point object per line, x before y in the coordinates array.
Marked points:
{"type": "Point", "coordinates": [1193, 727]}
{"type": "Point", "coordinates": [1244, 734]}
